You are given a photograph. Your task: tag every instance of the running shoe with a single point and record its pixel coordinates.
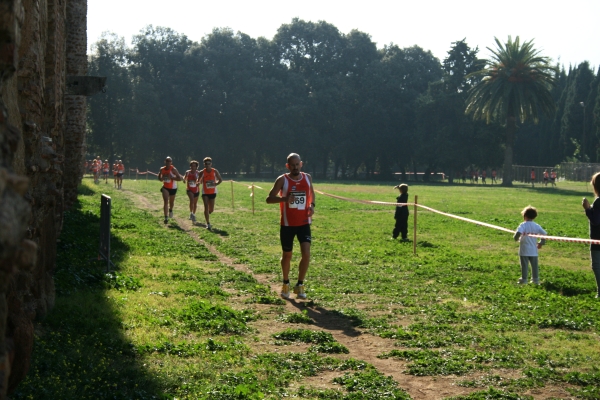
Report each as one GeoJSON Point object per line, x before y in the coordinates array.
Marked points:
{"type": "Point", "coordinates": [285, 291]}
{"type": "Point", "coordinates": [166, 220]}
{"type": "Point", "coordinates": [170, 213]}
{"type": "Point", "coordinates": [299, 290]}
{"type": "Point", "coordinates": [522, 281]}
{"type": "Point", "coordinates": [208, 226]}
{"type": "Point", "coordinates": [191, 216]}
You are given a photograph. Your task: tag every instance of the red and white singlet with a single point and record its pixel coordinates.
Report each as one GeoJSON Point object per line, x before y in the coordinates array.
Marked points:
{"type": "Point", "coordinates": [296, 214]}
{"type": "Point", "coordinates": [169, 181]}
{"type": "Point", "coordinates": [192, 178]}
{"type": "Point", "coordinates": [106, 167]}
{"type": "Point", "coordinates": [209, 183]}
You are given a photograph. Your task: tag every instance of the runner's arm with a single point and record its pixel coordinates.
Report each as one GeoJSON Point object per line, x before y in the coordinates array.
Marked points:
{"type": "Point", "coordinates": [218, 176]}
{"type": "Point", "coordinates": [273, 197]}
{"type": "Point", "coordinates": [160, 177]}
{"type": "Point", "coordinates": [178, 177]}
{"type": "Point", "coordinates": [312, 192]}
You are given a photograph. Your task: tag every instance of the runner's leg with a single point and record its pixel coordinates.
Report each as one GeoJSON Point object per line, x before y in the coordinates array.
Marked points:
{"type": "Point", "coordinates": [165, 195]}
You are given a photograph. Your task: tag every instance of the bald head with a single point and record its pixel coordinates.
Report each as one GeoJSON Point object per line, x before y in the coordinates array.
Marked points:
{"type": "Point", "coordinates": [293, 156]}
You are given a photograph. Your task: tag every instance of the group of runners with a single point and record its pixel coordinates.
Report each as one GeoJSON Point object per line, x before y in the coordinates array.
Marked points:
{"type": "Point", "coordinates": [476, 174]}
{"type": "Point", "coordinates": [547, 177]}
{"type": "Point", "coordinates": [292, 191]}
{"type": "Point", "coordinates": [198, 182]}
{"type": "Point", "coordinates": [97, 167]}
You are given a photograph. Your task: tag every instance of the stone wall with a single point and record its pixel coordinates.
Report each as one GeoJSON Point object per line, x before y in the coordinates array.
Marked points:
{"type": "Point", "coordinates": [34, 150]}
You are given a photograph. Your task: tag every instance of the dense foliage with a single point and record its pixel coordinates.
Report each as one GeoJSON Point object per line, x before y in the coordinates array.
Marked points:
{"type": "Point", "coordinates": [349, 108]}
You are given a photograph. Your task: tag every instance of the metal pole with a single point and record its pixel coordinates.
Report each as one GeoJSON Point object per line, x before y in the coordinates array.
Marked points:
{"type": "Point", "coordinates": [232, 207]}
{"type": "Point", "coordinates": [415, 227]}
{"type": "Point", "coordinates": [252, 198]}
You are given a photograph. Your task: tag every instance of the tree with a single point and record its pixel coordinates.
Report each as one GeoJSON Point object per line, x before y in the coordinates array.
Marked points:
{"type": "Point", "coordinates": [572, 121]}
{"type": "Point", "coordinates": [516, 85]}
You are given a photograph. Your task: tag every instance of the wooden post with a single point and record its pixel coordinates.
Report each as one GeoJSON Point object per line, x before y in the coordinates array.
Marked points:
{"type": "Point", "coordinates": [415, 228]}
{"type": "Point", "coordinates": [232, 206]}
{"type": "Point", "coordinates": [252, 198]}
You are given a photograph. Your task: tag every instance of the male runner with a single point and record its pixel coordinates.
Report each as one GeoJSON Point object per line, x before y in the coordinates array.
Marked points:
{"type": "Point", "coordinates": [296, 197]}
{"type": "Point", "coordinates": [210, 178]}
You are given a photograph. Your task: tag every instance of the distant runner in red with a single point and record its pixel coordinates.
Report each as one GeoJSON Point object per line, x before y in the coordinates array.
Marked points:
{"type": "Point", "coordinates": [210, 178]}
{"type": "Point", "coordinates": [115, 170]}
{"type": "Point", "coordinates": [105, 170]}
{"type": "Point", "coordinates": [296, 198]}
{"type": "Point", "coordinates": [169, 176]}
{"type": "Point", "coordinates": [120, 172]}
{"type": "Point", "coordinates": [553, 178]}
{"type": "Point", "coordinates": [191, 179]}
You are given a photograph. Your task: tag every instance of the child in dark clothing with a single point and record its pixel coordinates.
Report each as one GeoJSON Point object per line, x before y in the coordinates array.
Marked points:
{"type": "Point", "coordinates": [401, 215]}
{"type": "Point", "coordinates": [592, 211]}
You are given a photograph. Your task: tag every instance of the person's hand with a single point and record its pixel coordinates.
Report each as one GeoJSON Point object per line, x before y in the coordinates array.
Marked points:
{"type": "Point", "coordinates": [539, 246]}
{"type": "Point", "coordinates": [585, 203]}
{"type": "Point", "coordinates": [311, 211]}
{"type": "Point", "coordinates": [291, 198]}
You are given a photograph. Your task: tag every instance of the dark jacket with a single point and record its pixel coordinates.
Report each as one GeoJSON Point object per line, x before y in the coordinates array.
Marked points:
{"type": "Point", "coordinates": [593, 214]}
{"type": "Point", "coordinates": [402, 211]}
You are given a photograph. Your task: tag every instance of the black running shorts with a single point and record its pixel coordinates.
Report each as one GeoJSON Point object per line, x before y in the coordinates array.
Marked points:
{"type": "Point", "coordinates": [172, 192]}
{"type": "Point", "coordinates": [288, 233]}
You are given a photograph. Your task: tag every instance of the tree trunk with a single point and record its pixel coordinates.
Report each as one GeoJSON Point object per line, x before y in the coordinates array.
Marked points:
{"type": "Point", "coordinates": [511, 127]}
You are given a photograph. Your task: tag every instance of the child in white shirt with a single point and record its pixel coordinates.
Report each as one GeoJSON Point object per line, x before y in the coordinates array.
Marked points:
{"type": "Point", "coordinates": [528, 246]}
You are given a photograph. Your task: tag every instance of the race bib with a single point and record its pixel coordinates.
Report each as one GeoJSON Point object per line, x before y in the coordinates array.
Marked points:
{"type": "Point", "coordinates": [299, 200]}
{"type": "Point", "coordinates": [167, 179]}
{"type": "Point", "coordinates": [192, 184]}
{"type": "Point", "coordinates": [210, 184]}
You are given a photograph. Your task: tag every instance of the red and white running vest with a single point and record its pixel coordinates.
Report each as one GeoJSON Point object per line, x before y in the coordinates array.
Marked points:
{"type": "Point", "coordinates": [192, 184]}
{"type": "Point", "coordinates": [296, 214]}
{"type": "Point", "coordinates": [169, 181]}
{"type": "Point", "coordinates": [209, 182]}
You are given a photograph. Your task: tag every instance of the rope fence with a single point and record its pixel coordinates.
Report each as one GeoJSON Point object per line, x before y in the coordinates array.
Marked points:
{"type": "Point", "coordinates": [472, 221]}
{"type": "Point", "coordinates": [415, 204]}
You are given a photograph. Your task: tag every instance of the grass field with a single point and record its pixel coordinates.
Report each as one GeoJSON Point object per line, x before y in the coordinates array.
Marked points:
{"type": "Point", "coordinates": [191, 313]}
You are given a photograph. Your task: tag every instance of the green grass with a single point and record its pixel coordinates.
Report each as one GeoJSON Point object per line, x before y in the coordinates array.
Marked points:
{"type": "Point", "coordinates": [174, 322]}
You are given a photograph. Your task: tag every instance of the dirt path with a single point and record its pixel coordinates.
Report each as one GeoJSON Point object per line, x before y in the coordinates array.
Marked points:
{"type": "Point", "coordinates": [362, 346]}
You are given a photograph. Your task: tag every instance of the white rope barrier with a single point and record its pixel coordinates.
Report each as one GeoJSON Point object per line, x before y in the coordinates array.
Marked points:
{"type": "Point", "coordinates": [472, 221]}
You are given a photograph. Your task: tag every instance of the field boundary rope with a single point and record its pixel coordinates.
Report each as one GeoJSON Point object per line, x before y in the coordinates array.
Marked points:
{"type": "Point", "coordinates": [484, 224]}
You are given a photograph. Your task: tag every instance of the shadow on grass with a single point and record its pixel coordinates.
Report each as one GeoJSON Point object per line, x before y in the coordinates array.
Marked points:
{"type": "Point", "coordinates": [216, 231]}
{"type": "Point", "coordinates": [80, 351]}
{"type": "Point", "coordinates": [326, 319]}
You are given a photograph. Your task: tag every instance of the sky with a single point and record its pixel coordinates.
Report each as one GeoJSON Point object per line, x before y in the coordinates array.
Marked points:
{"type": "Point", "coordinates": [567, 32]}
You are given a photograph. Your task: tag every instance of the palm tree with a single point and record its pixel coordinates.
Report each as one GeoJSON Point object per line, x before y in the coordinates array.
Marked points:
{"type": "Point", "coordinates": [515, 85]}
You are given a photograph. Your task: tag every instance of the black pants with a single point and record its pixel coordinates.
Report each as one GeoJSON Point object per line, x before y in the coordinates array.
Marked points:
{"type": "Point", "coordinates": [401, 227]}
